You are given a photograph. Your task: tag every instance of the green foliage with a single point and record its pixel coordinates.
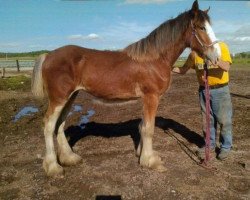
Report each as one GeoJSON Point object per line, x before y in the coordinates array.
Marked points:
{"type": "Point", "coordinates": [21, 83]}
{"type": "Point", "coordinates": [24, 54]}
{"type": "Point", "coordinates": [245, 61]}
{"type": "Point", "coordinates": [243, 55]}
{"type": "Point", "coordinates": [180, 62]}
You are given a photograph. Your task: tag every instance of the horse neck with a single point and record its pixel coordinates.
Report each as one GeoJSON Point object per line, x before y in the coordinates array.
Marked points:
{"type": "Point", "coordinates": [175, 49]}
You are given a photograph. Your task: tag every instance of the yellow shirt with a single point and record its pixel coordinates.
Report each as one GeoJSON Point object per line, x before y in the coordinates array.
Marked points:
{"type": "Point", "coordinates": [216, 75]}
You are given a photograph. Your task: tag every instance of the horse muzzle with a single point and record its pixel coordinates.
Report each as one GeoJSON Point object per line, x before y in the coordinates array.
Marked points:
{"type": "Point", "coordinates": [213, 54]}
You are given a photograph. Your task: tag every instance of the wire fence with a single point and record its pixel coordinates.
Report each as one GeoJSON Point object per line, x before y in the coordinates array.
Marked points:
{"type": "Point", "coordinates": [17, 63]}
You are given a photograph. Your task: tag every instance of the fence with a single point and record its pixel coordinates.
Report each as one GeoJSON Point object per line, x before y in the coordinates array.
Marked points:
{"type": "Point", "coordinates": [15, 65]}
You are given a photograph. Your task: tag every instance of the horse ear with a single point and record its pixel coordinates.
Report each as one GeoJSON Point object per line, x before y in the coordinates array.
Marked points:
{"type": "Point", "coordinates": [195, 6]}
{"type": "Point", "coordinates": [206, 11]}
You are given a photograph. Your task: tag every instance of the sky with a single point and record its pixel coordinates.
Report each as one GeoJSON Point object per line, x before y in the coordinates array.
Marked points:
{"type": "Point", "coordinates": [31, 25]}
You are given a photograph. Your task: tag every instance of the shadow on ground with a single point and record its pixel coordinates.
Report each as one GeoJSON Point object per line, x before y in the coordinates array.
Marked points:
{"type": "Point", "coordinates": [107, 130]}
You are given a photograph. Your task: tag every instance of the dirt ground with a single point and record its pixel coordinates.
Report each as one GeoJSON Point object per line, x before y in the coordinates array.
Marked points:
{"type": "Point", "coordinates": [110, 169]}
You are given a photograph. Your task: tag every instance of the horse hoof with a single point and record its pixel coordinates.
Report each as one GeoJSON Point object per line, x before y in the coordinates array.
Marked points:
{"type": "Point", "coordinates": [69, 159]}
{"type": "Point", "coordinates": [53, 169]}
{"type": "Point", "coordinates": [160, 168]}
{"type": "Point", "coordinates": [153, 162]}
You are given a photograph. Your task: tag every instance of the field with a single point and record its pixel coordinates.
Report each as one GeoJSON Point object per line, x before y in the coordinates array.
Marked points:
{"type": "Point", "coordinates": [110, 169]}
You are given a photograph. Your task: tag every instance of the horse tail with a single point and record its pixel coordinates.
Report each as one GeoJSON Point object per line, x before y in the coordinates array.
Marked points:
{"type": "Point", "coordinates": [37, 88]}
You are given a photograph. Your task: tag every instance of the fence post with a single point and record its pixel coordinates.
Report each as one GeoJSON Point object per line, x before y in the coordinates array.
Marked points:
{"type": "Point", "coordinates": [18, 66]}
{"type": "Point", "coordinates": [3, 72]}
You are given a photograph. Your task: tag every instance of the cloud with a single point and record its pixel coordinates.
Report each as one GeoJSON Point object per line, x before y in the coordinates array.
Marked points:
{"type": "Point", "coordinates": [9, 45]}
{"type": "Point", "coordinates": [75, 37]}
{"type": "Point", "coordinates": [36, 46]}
{"type": "Point", "coordinates": [243, 30]}
{"type": "Point", "coordinates": [130, 27]}
{"type": "Point", "coordinates": [121, 34]}
{"type": "Point", "coordinates": [147, 1]}
{"type": "Point", "coordinates": [237, 37]}
{"type": "Point", "coordinates": [247, 38]}
{"type": "Point", "coordinates": [235, 33]}
{"type": "Point", "coordinates": [91, 36]}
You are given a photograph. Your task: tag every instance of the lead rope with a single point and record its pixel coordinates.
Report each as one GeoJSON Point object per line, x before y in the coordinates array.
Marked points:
{"type": "Point", "coordinates": [207, 96]}
{"type": "Point", "coordinates": [205, 162]}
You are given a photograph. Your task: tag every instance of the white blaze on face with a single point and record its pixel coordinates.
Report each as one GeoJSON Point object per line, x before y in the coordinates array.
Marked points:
{"type": "Point", "coordinates": [213, 38]}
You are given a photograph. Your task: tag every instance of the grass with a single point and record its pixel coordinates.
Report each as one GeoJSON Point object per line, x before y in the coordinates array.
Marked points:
{"type": "Point", "coordinates": [240, 63]}
{"type": "Point", "coordinates": [17, 83]}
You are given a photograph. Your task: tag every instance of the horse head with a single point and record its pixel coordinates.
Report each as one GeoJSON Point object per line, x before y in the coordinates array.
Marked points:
{"type": "Point", "coordinates": [203, 40]}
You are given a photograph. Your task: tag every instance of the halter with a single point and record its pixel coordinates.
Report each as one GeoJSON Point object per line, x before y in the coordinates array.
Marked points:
{"type": "Point", "coordinates": [199, 40]}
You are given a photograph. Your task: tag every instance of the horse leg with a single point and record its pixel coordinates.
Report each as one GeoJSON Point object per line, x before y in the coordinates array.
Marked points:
{"type": "Point", "coordinates": [139, 147]}
{"type": "Point", "coordinates": [66, 155]}
{"type": "Point", "coordinates": [50, 164]}
{"type": "Point", "coordinates": [148, 157]}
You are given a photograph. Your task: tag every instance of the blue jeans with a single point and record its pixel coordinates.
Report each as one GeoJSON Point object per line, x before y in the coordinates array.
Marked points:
{"type": "Point", "coordinates": [220, 114]}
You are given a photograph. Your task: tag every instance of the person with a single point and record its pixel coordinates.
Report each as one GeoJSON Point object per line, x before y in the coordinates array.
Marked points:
{"type": "Point", "coordinates": [220, 99]}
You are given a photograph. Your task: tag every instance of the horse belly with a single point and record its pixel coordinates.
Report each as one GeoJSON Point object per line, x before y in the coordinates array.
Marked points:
{"type": "Point", "coordinates": [113, 91]}
{"type": "Point", "coordinates": [110, 87]}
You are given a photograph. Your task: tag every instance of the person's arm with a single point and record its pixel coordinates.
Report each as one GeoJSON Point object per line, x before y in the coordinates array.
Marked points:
{"type": "Point", "coordinates": [222, 64]}
{"type": "Point", "coordinates": [188, 64]}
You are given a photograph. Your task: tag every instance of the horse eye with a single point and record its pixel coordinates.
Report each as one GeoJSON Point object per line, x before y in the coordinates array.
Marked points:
{"type": "Point", "coordinates": [203, 28]}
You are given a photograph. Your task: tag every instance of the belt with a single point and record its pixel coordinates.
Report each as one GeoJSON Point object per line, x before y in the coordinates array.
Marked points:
{"type": "Point", "coordinates": [214, 86]}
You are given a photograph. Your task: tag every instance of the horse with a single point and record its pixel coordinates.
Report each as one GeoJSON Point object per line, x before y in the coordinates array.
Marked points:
{"type": "Point", "coordinates": [141, 70]}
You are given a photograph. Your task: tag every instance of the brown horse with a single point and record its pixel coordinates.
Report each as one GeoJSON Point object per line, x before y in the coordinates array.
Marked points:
{"type": "Point", "coordinates": [141, 70]}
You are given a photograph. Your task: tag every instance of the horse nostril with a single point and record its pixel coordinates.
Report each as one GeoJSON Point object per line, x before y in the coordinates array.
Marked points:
{"type": "Point", "coordinates": [216, 61]}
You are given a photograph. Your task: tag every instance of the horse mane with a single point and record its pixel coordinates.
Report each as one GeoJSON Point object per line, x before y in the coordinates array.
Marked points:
{"type": "Point", "coordinates": [152, 46]}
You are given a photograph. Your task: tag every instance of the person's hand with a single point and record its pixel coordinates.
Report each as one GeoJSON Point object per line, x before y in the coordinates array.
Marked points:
{"type": "Point", "coordinates": [208, 62]}
{"type": "Point", "coordinates": [176, 70]}
{"type": "Point", "coordinates": [203, 79]}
